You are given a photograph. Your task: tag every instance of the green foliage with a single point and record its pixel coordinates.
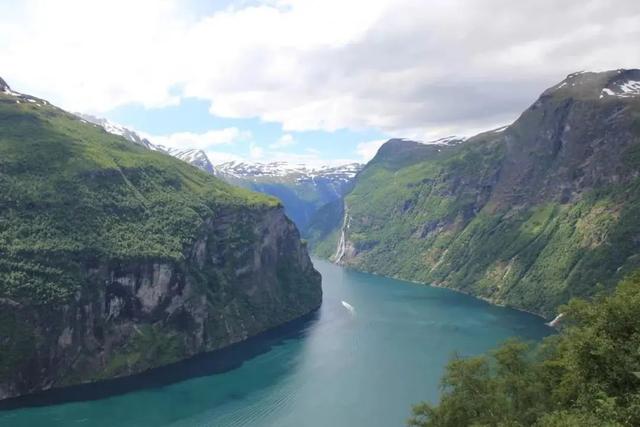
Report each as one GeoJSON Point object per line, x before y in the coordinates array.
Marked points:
{"type": "Point", "coordinates": [323, 232]}
{"type": "Point", "coordinates": [72, 195]}
{"type": "Point", "coordinates": [18, 340]}
{"type": "Point", "coordinates": [151, 346]}
{"type": "Point", "coordinates": [585, 376]}
{"type": "Point", "coordinates": [441, 219]}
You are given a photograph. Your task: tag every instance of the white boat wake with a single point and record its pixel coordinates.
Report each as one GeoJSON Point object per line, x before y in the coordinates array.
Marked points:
{"type": "Point", "coordinates": [349, 307]}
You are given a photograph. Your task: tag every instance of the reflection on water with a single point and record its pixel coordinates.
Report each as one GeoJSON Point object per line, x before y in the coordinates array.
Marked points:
{"type": "Point", "coordinates": [199, 366]}
{"type": "Point", "coordinates": [333, 368]}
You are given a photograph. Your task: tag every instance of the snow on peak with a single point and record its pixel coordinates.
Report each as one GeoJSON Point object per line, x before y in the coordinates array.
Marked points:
{"type": "Point", "coordinates": [195, 157]}
{"type": "Point", "coordinates": [500, 129]}
{"type": "Point", "coordinates": [4, 88]}
{"type": "Point", "coordinates": [622, 89]}
{"type": "Point", "coordinates": [117, 129]}
{"type": "Point", "coordinates": [280, 169]}
{"type": "Point", "coordinates": [621, 83]}
{"type": "Point", "coordinates": [631, 87]}
{"type": "Point", "coordinates": [448, 140]}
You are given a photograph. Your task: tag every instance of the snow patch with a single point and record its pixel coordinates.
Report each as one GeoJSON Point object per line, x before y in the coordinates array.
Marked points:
{"type": "Point", "coordinates": [630, 88]}
{"type": "Point", "coordinates": [9, 92]}
{"type": "Point", "coordinates": [116, 129]}
{"type": "Point", "coordinates": [606, 91]}
{"type": "Point", "coordinates": [627, 89]}
{"type": "Point", "coordinates": [447, 140]}
{"type": "Point", "coordinates": [297, 171]}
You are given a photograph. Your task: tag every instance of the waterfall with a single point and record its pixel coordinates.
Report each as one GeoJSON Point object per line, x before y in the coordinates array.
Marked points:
{"type": "Point", "coordinates": [342, 243]}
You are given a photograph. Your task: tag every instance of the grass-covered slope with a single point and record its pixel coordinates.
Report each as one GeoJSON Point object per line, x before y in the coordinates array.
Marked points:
{"type": "Point", "coordinates": [528, 216]}
{"type": "Point", "coordinates": [115, 259]}
{"type": "Point", "coordinates": [70, 192]}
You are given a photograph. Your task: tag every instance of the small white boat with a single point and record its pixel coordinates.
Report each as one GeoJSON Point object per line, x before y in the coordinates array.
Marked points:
{"type": "Point", "coordinates": [348, 307]}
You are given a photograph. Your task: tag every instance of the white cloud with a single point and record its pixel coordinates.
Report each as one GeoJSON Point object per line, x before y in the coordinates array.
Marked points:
{"type": "Point", "coordinates": [368, 149]}
{"type": "Point", "coordinates": [284, 141]}
{"type": "Point", "coordinates": [309, 159]}
{"type": "Point", "coordinates": [201, 141]}
{"type": "Point", "coordinates": [256, 153]}
{"type": "Point", "coordinates": [94, 55]}
{"type": "Point", "coordinates": [401, 66]}
{"type": "Point", "coordinates": [217, 157]}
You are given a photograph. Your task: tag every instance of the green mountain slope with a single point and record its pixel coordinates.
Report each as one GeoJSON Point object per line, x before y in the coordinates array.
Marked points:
{"type": "Point", "coordinates": [115, 259]}
{"type": "Point", "coordinates": [528, 216]}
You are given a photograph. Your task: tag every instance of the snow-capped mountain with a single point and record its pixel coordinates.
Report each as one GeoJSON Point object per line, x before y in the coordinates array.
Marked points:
{"type": "Point", "coordinates": [197, 158]}
{"type": "Point", "coordinates": [302, 189]}
{"type": "Point", "coordinates": [118, 130]}
{"type": "Point", "coordinates": [449, 140]}
{"type": "Point", "coordinates": [4, 87]}
{"type": "Point", "coordinates": [287, 171]}
{"type": "Point", "coordinates": [20, 97]}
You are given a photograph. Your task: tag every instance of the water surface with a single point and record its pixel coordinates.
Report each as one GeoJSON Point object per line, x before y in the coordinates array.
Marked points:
{"type": "Point", "coordinates": [357, 364]}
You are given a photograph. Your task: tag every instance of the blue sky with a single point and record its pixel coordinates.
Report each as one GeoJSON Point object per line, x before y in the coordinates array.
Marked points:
{"type": "Point", "coordinates": [192, 115]}
{"type": "Point", "coordinates": [307, 80]}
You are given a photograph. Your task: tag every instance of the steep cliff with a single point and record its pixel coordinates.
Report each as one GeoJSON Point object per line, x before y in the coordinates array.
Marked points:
{"type": "Point", "coordinates": [115, 259]}
{"type": "Point", "coordinates": [526, 216]}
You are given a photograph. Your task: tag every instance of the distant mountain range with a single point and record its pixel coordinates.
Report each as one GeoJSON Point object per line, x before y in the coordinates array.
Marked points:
{"type": "Point", "coordinates": [301, 188]}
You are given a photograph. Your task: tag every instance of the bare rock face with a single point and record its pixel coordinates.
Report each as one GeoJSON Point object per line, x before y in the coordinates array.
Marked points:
{"type": "Point", "coordinates": [246, 272]}
{"type": "Point", "coordinates": [3, 85]}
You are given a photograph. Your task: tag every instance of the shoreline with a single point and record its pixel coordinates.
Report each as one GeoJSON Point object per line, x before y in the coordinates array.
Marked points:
{"type": "Point", "coordinates": [460, 291]}
{"type": "Point", "coordinates": [199, 365]}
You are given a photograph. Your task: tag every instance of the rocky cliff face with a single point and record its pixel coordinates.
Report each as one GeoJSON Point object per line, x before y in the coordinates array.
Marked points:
{"type": "Point", "coordinates": [528, 215]}
{"type": "Point", "coordinates": [116, 259]}
{"type": "Point", "coordinates": [143, 314]}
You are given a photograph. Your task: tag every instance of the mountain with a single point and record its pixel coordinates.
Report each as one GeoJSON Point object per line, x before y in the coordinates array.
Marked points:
{"type": "Point", "coordinates": [119, 130]}
{"type": "Point", "coordinates": [197, 158]}
{"type": "Point", "coordinates": [116, 258]}
{"type": "Point", "coordinates": [528, 215]}
{"type": "Point", "coordinates": [302, 189]}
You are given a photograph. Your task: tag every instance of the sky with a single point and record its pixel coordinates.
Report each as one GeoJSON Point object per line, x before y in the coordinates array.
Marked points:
{"type": "Point", "coordinates": [307, 81]}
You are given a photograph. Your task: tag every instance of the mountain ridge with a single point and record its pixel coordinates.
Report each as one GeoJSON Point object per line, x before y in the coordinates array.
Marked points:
{"type": "Point", "coordinates": [117, 259]}
{"type": "Point", "coordinates": [302, 189]}
{"type": "Point", "coordinates": [527, 216]}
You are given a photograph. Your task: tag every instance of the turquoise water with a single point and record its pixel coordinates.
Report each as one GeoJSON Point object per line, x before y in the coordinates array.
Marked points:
{"type": "Point", "coordinates": [360, 367]}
